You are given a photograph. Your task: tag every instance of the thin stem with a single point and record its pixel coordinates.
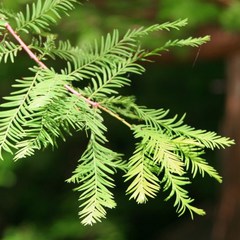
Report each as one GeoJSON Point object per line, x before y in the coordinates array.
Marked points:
{"type": "Point", "coordinates": [70, 89]}
{"type": "Point", "coordinates": [98, 105]}
{"type": "Point", "coordinates": [24, 46]}
{"type": "Point", "coordinates": [92, 103]}
{"type": "Point", "coordinates": [115, 115]}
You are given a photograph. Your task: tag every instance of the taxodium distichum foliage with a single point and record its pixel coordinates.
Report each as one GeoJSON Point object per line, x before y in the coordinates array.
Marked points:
{"type": "Point", "coordinates": [46, 106]}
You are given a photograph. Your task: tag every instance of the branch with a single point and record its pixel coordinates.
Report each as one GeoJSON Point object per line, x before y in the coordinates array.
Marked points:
{"type": "Point", "coordinates": [92, 103]}
{"type": "Point", "coordinates": [96, 104]}
{"type": "Point", "coordinates": [70, 89]}
{"type": "Point", "coordinates": [115, 115]}
{"type": "Point", "coordinates": [24, 46]}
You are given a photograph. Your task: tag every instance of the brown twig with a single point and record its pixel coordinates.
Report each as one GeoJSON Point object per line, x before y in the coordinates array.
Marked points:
{"type": "Point", "coordinates": [70, 89]}
{"type": "Point", "coordinates": [24, 46]}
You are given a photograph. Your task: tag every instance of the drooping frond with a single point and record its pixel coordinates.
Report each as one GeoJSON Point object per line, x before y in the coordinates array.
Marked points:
{"type": "Point", "coordinates": [197, 164]}
{"type": "Point", "coordinates": [144, 183]}
{"type": "Point", "coordinates": [93, 175]}
{"type": "Point", "coordinates": [26, 121]}
{"type": "Point", "coordinates": [170, 148]}
{"type": "Point", "coordinates": [168, 156]}
{"type": "Point", "coordinates": [14, 112]}
{"type": "Point", "coordinates": [182, 200]}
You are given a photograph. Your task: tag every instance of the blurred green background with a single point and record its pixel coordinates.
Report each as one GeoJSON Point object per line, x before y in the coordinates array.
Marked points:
{"type": "Point", "coordinates": [35, 201]}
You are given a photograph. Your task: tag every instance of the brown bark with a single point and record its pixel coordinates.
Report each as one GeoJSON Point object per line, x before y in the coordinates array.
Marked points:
{"type": "Point", "coordinates": [223, 44]}
{"type": "Point", "coordinates": [227, 224]}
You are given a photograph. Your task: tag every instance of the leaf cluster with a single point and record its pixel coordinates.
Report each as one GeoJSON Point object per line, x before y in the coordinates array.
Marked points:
{"type": "Point", "coordinates": [47, 105]}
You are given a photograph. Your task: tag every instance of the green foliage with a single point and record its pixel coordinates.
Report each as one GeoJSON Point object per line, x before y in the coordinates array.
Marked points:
{"type": "Point", "coordinates": [39, 16]}
{"type": "Point", "coordinates": [230, 17]}
{"type": "Point", "coordinates": [48, 105]}
{"type": "Point", "coordinates": [208, 11]}
{"type": "Point", "coordinates": [93, 174]}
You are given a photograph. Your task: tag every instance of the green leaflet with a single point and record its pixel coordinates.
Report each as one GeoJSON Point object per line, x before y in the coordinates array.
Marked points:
{"type": "Point", "coordinates": [171, 157]}
{"type": "Point", "coordinates": [9, 50]}
{"type": "Point", "coordinates": [40, 15]}
{"type": "Point", "coordinates": [12, 117]}
{"type": "Point", "coordinates": [93, 175]}
{"type": "Point", "coordinates": [2, 22]}
{"type": "Point", "coordinates": [48, 105]}
{"type": "Point", "coordinates": [145, 183]}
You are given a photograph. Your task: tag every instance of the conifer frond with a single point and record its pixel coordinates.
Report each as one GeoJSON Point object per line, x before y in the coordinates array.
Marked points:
{"type": "Point", "coordinates": [49, 105]}
{"type": "Point", "coordinates": [50, 88]}
{"type": "Point", "coordinates": [111, 77]}
{"type": "Point", "coordinates": [40, 15]}
{"type": "Point", "coordinates": [6, 13]}
{"type": "Point", "coordinates": [27, 123]}
{"type": "Point", "coordinates": [157, 118]}
{"type": "Point", "coordinates": [143, 31]}
{"type": "Point", "coordinates": [193, 42]}
{"type": "Point", "coordinates": [144, 183]}
{"type": "Point", "coordinates": [196, 164]}
{"type": "Point", "coordinates": [209, 139]}
{"type": "Point", "coordinates": [66, 51]}
{"type": "Point", "coordinates": [182, 200]}
{"type": "Point", "coordinates": [97, 164]}
{"type": "Point", "coordinates": [44, 46]}
{"type": "Point", "coordinates": [14, 113]}
{"type": "Point", "coordinates": [115, 49]}
{"type": "Point", "coordinates": [8, 50]}
{"type": "Point", "coordinates": [169, 157]}
{"type": "Point", "coordinates": [110, 51]}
